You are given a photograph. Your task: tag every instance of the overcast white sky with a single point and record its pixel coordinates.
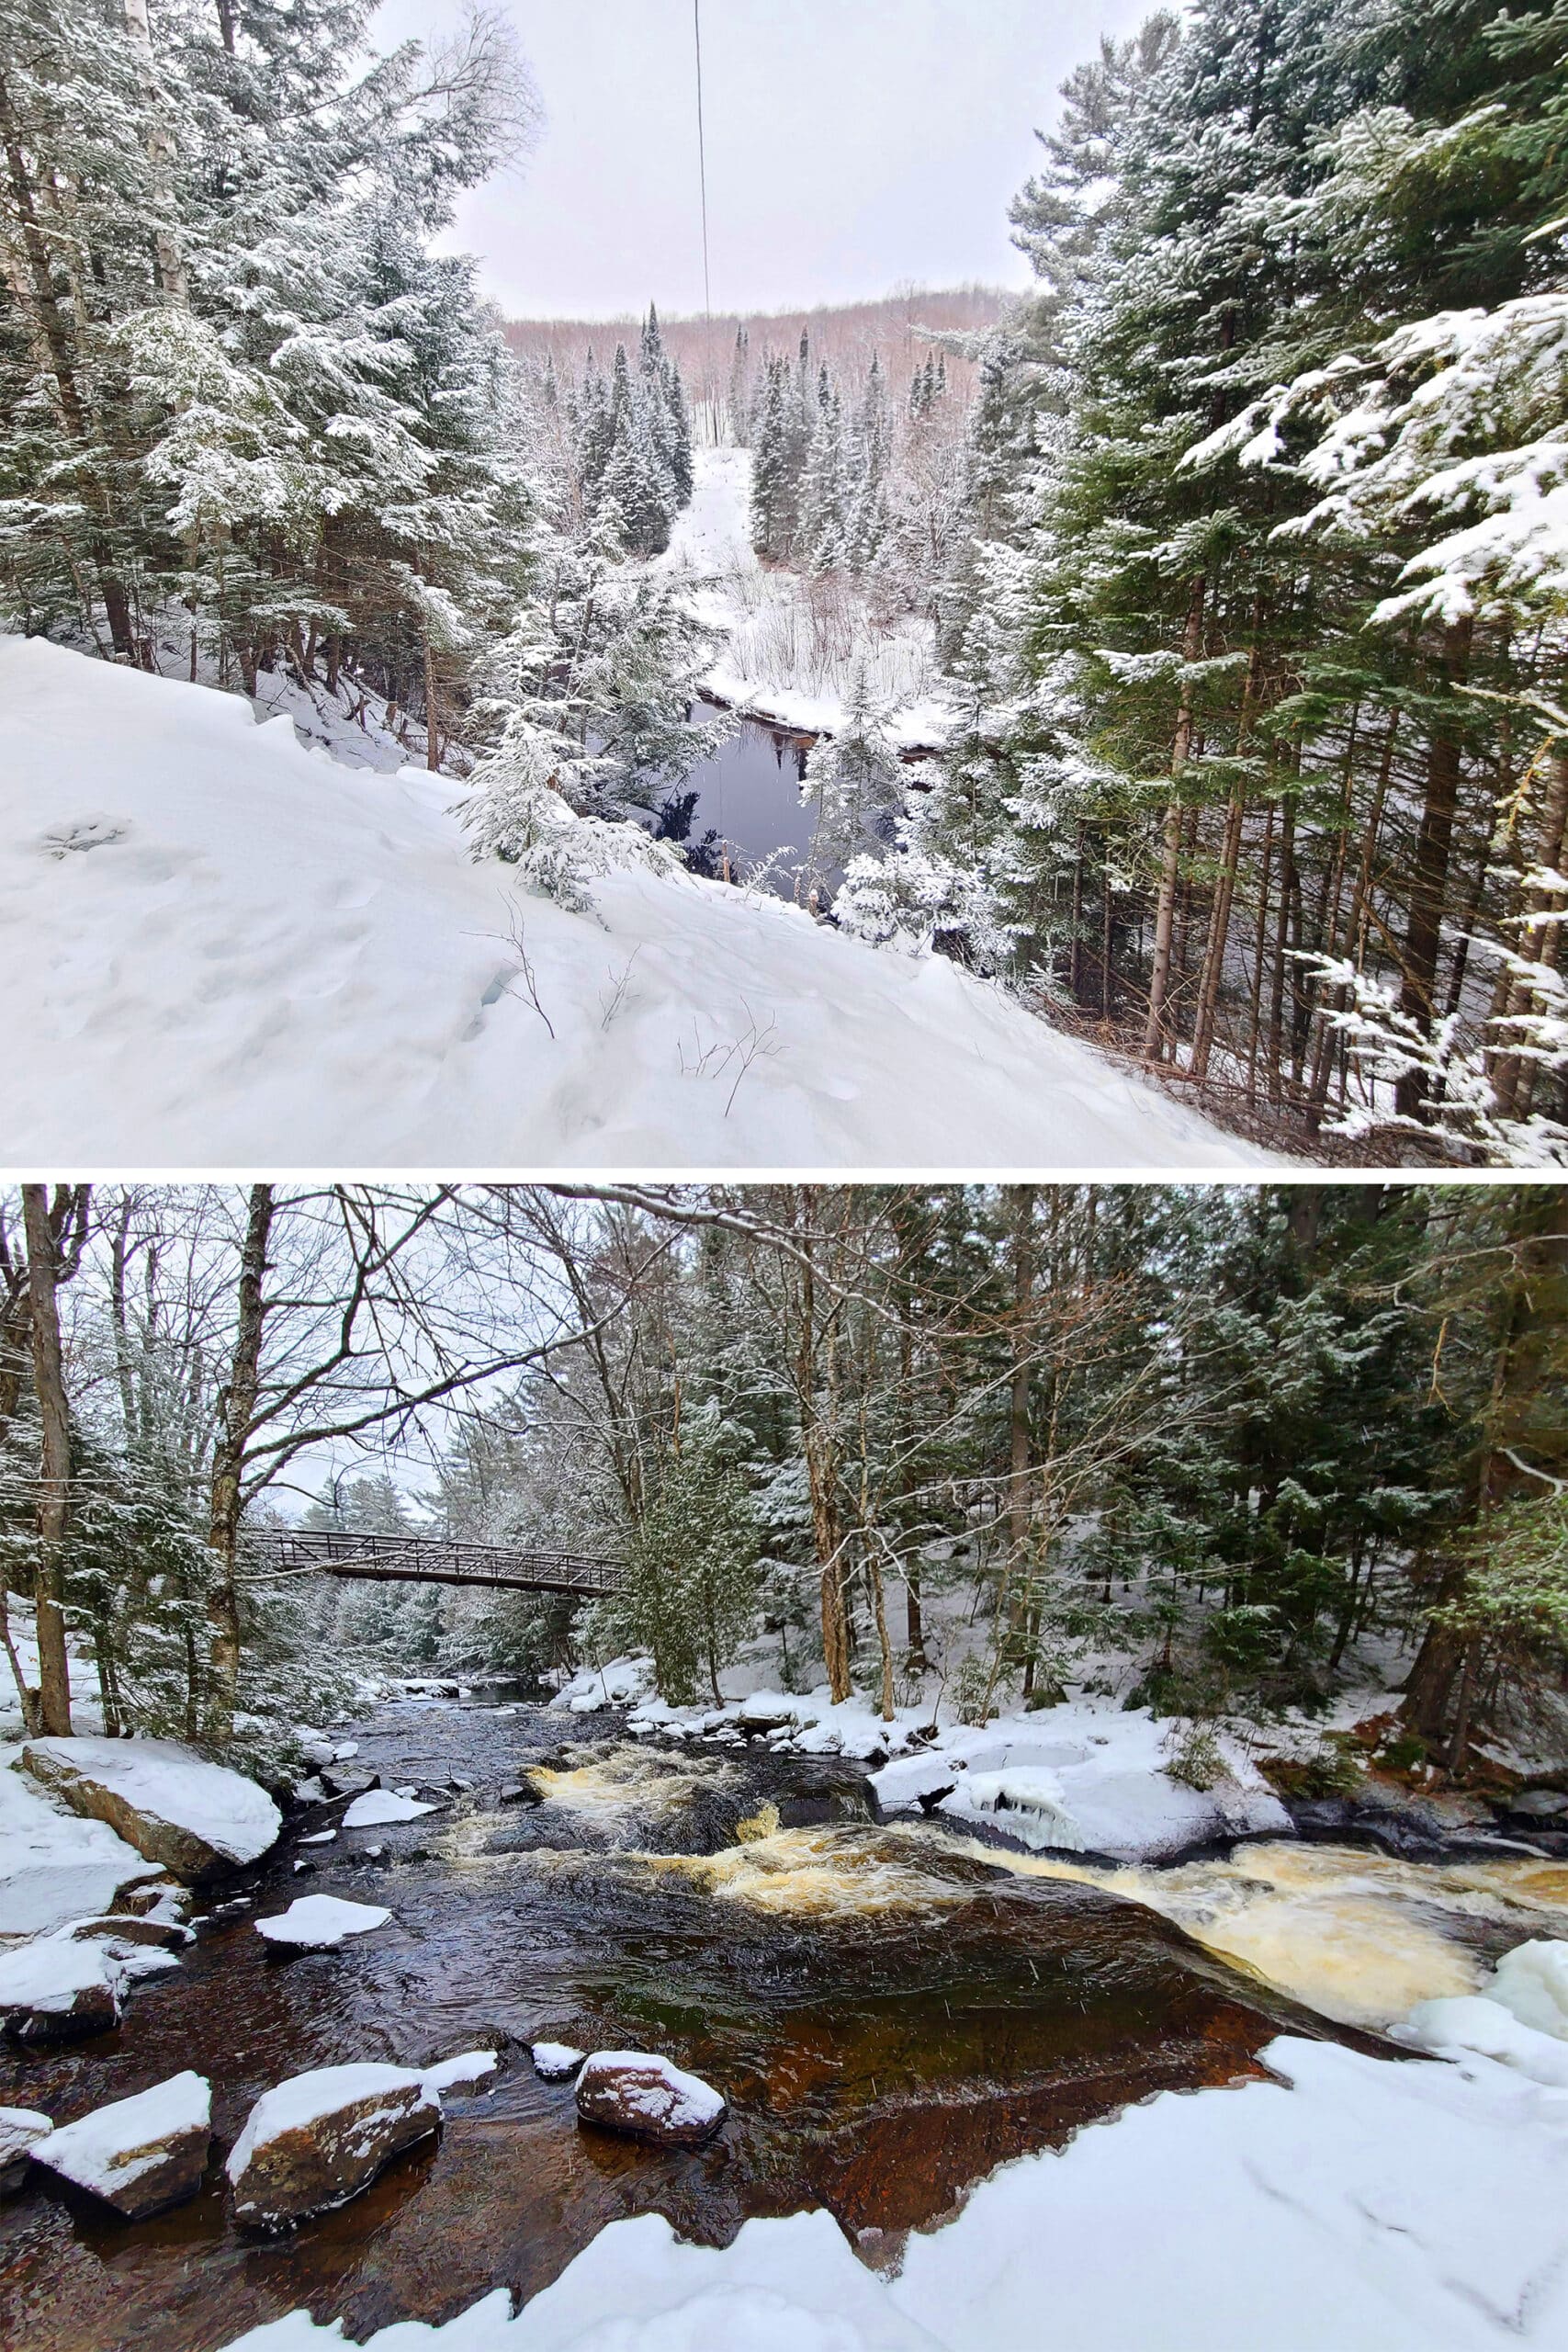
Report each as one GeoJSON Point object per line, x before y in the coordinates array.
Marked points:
{"type": "Point", "coordinates": [851, 145]}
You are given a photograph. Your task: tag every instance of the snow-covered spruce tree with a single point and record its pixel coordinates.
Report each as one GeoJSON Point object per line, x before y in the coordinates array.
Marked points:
{"type": "Point", "coordinates": [584, 703]}
{"type": "Point", "coordinates": [309, 463]}
{"type": "Point", "coordinates": [689, 1594]}
{"type": "Point", "coordinates": [854, 781]}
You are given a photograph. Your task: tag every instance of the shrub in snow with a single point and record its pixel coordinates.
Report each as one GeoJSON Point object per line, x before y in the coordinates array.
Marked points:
{"type": "Point", "coordinates": [140, 2155]}
{"type": "Point", "coordinates": [632, 2091]}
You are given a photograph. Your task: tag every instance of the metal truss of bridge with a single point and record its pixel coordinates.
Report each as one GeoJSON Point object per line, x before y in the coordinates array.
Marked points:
{"type": "Point", "coordinates": [426, 1559]}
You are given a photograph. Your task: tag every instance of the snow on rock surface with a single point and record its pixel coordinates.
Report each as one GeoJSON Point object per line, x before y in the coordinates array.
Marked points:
{"type": "Point", "coordinates": [555, 2062]}
{"type": "Point", "coordinates": [320, 2138]}
{"type": "Point", "coordinates": [1355, 2205]}
{"type": "Point", "coordinates": [56, 1865]}
{"type": "Point", "coordinates": [1468, 2023]}
{"type": "Point", "coordinates": [259, 953]}
{"type": "Point", "coordinates": [140, 2155]}
{"type": "Point", "coordinates": [469, 2066]}
{"type": "Point", "coordinates": [632, 2090]}
{"type": "Point", "coordinates": [1531, 1982]}
{"type": "Point", "coordinates": [376, 1805]}
{"type": "Point", "coordinates": [318, 1922]}
{"type": "Point", "coordinates": [1081, 1778]}
{"type": "Point", "coordinates": [622, 1682]}
{"type": "Point", "coordinates": [190, 1817]}
{"type": "Point", "coordinates": [21, 2129]}
{"type": "Point", "coordinates": [59, 1989]}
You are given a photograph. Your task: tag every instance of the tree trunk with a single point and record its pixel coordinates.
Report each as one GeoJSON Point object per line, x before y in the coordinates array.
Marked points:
{"type": "Point", "coordinates": [1429, 886]}
{"type": "Point", "coordinates": [237, 1404]}
{"type": "Point", "coordinates": [55, 1463]}
{"type": "Point", "coordinates": [1155, 1034]}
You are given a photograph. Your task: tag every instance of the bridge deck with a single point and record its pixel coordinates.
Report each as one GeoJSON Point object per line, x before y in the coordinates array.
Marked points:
{"type": "Point", "coordinates": [428, 1559]}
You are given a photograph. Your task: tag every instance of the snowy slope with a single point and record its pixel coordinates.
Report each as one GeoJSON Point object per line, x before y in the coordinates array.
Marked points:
{"type": "Point", "coordinates": [218, 947]}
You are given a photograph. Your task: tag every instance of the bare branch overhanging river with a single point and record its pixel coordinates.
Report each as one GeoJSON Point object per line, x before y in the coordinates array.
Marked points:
{"type": "Point", "coordinates": [891, 2011]}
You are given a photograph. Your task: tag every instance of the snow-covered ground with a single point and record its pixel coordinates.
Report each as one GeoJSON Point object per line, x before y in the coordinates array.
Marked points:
{"type": "Point", "coordinates": [792, 645]}
{"type": "Point", "coordinates": [220, 948]}
{"type": "Point", "coordinates": [1354, 2205]}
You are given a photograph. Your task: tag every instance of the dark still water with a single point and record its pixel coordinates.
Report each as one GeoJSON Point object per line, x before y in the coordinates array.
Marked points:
{"type": "Point", "coordinates": [744, 804]}
{"type": "Point", "coordinates": [889, 2016]}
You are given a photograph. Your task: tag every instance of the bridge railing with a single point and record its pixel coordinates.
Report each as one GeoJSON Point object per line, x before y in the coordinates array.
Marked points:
{"type": "Point", "coordinates": [426, 1559]}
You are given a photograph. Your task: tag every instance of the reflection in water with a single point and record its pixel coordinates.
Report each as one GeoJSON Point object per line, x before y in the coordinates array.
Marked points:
{"type": "Point", "coordinates": [890, 2011]}
{"type": "Point", "coordinates": [743, 805]}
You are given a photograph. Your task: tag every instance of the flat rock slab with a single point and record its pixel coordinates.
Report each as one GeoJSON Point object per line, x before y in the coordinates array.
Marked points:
{"type": "Point", "coordinates": [379, 1805]}
{"type": "Point", "coordinates": [140, 2155]}
{"type": "Point", "coordinates": [320, 2138]}
{"type": "Point", "coordinates": [318, 1922]}
{"type": "Point", "coordinates": [632, 2090]}
{"type": "Point", "coordinates": [194, 1818]}
{"type": "Point", "coordinates": [21, 2129]}
{"type": "Point", "coordinates": [56, 1989]}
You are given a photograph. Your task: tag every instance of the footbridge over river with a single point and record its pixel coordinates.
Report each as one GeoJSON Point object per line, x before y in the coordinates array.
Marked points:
{"type": "Point", "coordinates": [426, 1559]}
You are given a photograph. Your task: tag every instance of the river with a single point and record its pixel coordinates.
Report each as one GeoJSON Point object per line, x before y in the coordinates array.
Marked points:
{"type": "Point", "coordinates": [890, 2010]}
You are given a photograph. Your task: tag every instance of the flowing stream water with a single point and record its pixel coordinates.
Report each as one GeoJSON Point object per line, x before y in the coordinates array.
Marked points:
{"type": "Point", "coordinates": [891, 2011]}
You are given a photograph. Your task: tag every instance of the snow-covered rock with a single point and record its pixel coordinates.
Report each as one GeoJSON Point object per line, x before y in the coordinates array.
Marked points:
{"type": "Point", "coordinates": [555, 2062]}
{"type": "Point", "coordinates": [454, 2073]}
{"type": "Point", "coordinates": [379, 1805]}
{"type": "Point", "coordinates": [21, 2129]}
{"type": "Point", "coordinates": [190, 1817]}
{"type": "Point", "coordinates": [631, 2090]}
{"type": "Point", "coordinates": [1351, 2204]}
{"type": "Point", "coordinates": [54, 1864]}
{"type": "Point", "coordinates": [912, 1780]}
{"type": "Point", "coordinates": [140, 2155]}
{"type": "Point", "coordinates": [320, 2138]}
{"type": "Point", "coordinates": [1467, 2023]}
{"type": "Point", "coordinates": [59, 1989]}
{"type": "Point", "coordinates": [1531, 1982]}
{"type": "Point", "coordinates": [318, 1922]}
{"type": "Point", "coordinates": [1081, 1778]}
{"type": "Point", "coordinates": [309, 965]}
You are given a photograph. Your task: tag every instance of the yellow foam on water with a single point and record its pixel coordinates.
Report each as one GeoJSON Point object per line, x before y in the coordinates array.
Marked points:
{"type": "Point", "coordinates": [816, 1873]}
{"type": "Point", "coordinates": [1361, 1937]}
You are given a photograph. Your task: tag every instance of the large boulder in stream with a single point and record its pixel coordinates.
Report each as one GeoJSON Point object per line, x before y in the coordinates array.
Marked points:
{"type": "Point", "coordinates": [142, 2155]}
{"type": "Point", "coordinates": [320, 2138]}
{"type": "Point", "coordinates": [195, 1819]}
{"type": "Point", "coordinates": [633, 2091]}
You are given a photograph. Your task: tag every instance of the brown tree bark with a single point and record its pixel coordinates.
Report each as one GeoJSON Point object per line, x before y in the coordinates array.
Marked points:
{"type": "Point", "coordinates": [1156, 1030]}
{"type": "Point", "coordinates": [1428, 887]}
{"type": "Point", "coordinates": [54, 1462]}
{"type": "Point", "coordinates": [237, 1404]}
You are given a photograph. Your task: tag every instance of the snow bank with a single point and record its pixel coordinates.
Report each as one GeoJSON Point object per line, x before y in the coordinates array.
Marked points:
{"type": "Point", "coordinates": [220, 947]}
{"type": "Point", "coordinates": [317, 1922]}
{"type": "Point", "coordinates": [1531, 1982]}
{"type": "Point", "coordinates": [383, 1804]}
{"type": "Point", "coordinates": [56, 1865]}
{"type": "Point", "coordinates": [1081, 1778]}
{"type": "Point", "coordinates": [1357, 2203]}
{"type": "Point", "coordinates": [621, 1683]}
